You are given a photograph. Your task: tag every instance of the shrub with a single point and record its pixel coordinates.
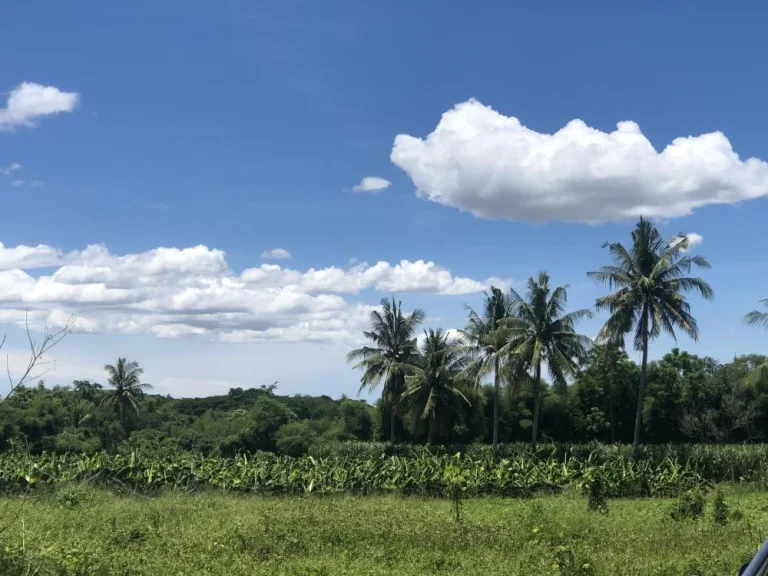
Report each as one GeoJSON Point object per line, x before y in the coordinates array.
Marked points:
{"type": "Point", "coordinates": [720, 509]}
{"type": "Point", "coordinates": [689, 506]}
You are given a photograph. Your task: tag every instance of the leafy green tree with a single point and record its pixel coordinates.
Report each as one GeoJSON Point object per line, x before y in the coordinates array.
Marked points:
{"type": "Point", "coordinates": [125, 379]}
{"type": "Point", "coordinates": [651, 277]}
{"type": "Point", "coordinates": [542, 333]}
{"type": "Point", "coordinates": [487, 343]}
{"type": "Point", "coordinates": [433, 380]}
{"type": "Point", "coordinates": [393, 346]}
{"type": "Point", "coordinates": [295, 438]}
{"type": "Point", "coordinates": [357, 419]}
{"type": "Point", "coordinates": [263, 422]}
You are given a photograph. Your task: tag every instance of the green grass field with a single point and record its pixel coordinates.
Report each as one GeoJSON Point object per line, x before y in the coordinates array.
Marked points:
{"type": "Point", "coordinates": [92, 532]}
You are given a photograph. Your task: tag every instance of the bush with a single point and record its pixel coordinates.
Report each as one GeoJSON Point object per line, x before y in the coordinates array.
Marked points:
{"type": "Point", "coordinates": [72, 495]}
{"type": "Point", "coordinates": [720, 509]}
{"type": "Point", "coordinates": [596, 494]}
{"type": "Point", "coordinates": [689, 506]}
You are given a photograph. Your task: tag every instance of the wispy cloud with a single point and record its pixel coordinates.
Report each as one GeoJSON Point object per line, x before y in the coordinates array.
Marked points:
{"type": "Point", "coordinates": [276, 254]}
{"type": "Point", "coordinates": [17, 183]}
{"type": "Point", "coordinates": [12, 168]}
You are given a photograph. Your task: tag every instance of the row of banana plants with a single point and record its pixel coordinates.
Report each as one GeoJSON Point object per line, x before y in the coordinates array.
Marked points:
{"type": "Point", "coordinates": [714, 462]}
{"type": "Point", "coordinates": [422, 474]}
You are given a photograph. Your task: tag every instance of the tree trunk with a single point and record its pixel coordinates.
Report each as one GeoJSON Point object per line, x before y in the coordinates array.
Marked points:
{"type": "Point", "coordinates": [496, 407]}
{"type": "Point", "coordinates": [392, 423]}
{"type": "Point", "coordinates": [610, 357]}
{"type": "Point", "coordinates": [613, 424]}
{"type": "Point", "coordinates": [536, 403]}
{"type": "Point", "coordinates": [641, 388]}
{"type": "Point", "coordinates": [430, 432]}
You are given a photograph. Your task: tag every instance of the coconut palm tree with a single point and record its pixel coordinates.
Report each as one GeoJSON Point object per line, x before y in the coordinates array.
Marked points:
{"type": "Point", "coordinates": [542, 333]}
{"type": "Point", "coordinates": [757, 318]}
{"type": "Point", "coordinates": [125, 379]}
{"type": "Point", "coordinates": [393, 346]}
{"type": "Point", "coordinates": [650, 277]}
{"type": "Point", "coordinates": [433, 379]}
{"type": "Point", "coordinates": [487, 343]}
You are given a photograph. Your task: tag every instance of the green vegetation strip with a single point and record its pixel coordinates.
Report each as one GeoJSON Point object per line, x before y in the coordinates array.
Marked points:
{"type": "Point", "coordinates": [421, 473]}
{"type": "Point", "coordinates": [85, 531]}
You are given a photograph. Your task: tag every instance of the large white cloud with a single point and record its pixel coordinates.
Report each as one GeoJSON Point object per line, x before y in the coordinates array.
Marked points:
{"type": "Point", "coordinates": [29, 102]}
{"type": "Point", "coordinates": [483, 162]}
{"type": "Point", "coordinates": [174, 293]}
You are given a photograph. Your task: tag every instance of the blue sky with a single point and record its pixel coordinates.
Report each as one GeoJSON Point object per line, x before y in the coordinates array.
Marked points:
{"type": "Point", "coordinates": [244, 127]}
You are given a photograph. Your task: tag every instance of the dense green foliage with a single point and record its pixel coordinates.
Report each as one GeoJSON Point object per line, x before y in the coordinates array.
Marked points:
{"type": "Point", "coordinates": [84, 532]}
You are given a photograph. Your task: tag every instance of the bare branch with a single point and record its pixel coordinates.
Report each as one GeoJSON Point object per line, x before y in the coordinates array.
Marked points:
{"type": "Point", "coordinates": [36, 353]}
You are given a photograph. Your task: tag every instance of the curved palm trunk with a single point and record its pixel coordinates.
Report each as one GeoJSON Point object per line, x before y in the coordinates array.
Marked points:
{"type": "Point", "coordinates": [496, 385]}
{"type": "Point", "coordinates": [641, 388]}
{"type": "Point", "coordinates": [536, 404]}
{"type": "Point", "coordinates": [430, 432]}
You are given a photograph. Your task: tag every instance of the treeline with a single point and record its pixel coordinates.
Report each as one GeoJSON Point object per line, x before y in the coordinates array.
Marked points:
{"type": "Point", "coordinates": [688, 398]}
{"type": "Point", "coordinates": [518, 370]}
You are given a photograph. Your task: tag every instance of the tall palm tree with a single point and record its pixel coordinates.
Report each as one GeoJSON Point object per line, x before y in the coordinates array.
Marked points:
{"type": "Point", "coordinates": [487, 343]}
{"type": "Point", "coordinates": [433, 379]}
{"type": "Point", "coordinates": [125, 380]}
{"type": "Point", "coordinates": [393, 346]}
{"type": "Point", "coordinates": [542, 333]}
{"type": "Point", "coordinates": [650, 278]}
{"type": "Point", "coordinates": [757, 318]}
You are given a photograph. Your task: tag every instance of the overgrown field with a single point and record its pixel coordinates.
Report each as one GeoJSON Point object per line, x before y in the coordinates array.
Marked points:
{"type": "Point", "coordinates": [80, 530]}
{"type": "Point", "coordinates": [361, 470]}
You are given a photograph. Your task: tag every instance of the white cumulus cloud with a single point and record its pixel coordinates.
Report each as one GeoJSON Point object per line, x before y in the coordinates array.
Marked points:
{"type": "Point", "coordinates": [372, 184]}
{"type": "Point", "coordinates": [192, 292]}
{"type": "Point", "coordinates": [693, 240]}
{"type": "Point", "coordinates": [28, 257]}
{"type": "Point", "coordinates": [490, 165]}
{"type": "Point", "coordinates": [29, 102]}
{"type": "Point", "coordinates": [276, 254]}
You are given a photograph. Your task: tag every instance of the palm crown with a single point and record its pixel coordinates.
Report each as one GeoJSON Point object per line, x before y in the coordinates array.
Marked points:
{"type": "Point", "coordinates": [650, 278]}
